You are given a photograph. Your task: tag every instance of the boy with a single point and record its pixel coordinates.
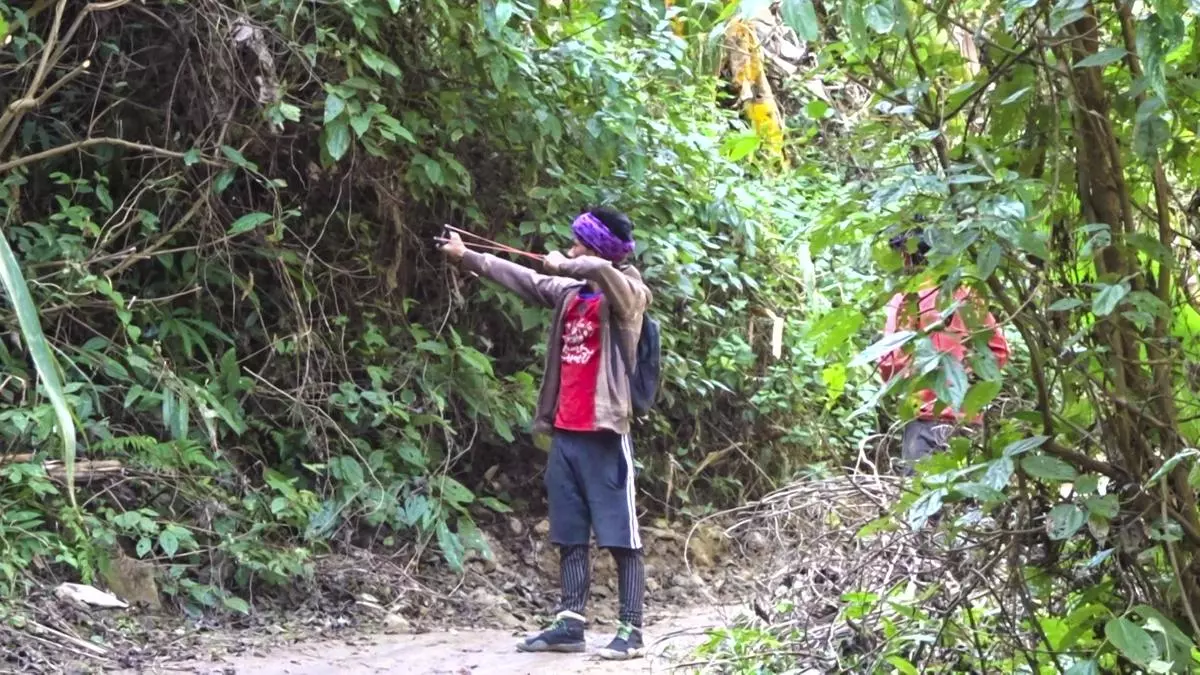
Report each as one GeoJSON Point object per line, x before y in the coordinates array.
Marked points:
{"type": "Point", "coordinates": [929, 432]}
{"type": "Point", "coordinates": [599, 301]}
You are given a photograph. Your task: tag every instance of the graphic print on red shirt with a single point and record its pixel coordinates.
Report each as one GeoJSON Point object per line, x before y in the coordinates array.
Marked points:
{"type": "Point", "coordinates": [580, 364]}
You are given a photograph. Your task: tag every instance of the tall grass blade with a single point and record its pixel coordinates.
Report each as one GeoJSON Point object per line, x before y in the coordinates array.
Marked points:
{"type": "Point", "coordinates": [43, 358]}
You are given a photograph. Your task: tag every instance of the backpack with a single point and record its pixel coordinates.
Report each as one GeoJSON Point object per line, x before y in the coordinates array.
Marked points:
{"type": "Point", "coordinates": [644, 375]}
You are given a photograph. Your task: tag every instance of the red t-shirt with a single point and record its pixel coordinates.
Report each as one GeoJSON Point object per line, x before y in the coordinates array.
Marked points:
{"type": "Point", "coordinates": [580, 364]}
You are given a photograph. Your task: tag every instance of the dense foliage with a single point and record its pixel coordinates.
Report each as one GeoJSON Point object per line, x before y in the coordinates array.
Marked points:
{"type": "Point", "coordinates": [1047, 145]}
{"type": "Point", "coordinates": [220, 213]}
{"type": "Point", "coordinates": [223, 212]}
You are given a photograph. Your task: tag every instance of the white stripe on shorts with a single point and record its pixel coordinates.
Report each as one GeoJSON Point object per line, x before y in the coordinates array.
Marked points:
{"type": "Point", "coordinates": [627, 449]}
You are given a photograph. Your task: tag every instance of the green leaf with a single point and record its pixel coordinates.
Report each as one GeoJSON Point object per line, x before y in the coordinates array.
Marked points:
{"type": "Point", "coordinates": [1064, 521]}
{"type": "Point", "coordinates": [360, 124]}
{"type": "Point", "coordinates": [1048, 468]}
{"type": "Point", "coordinates": [352, 471]}
{"type": "Point", "coordinates": [1025, 445]}
{"type": "Point", "coordinates": [1107, 299]}
{"type": "Point", "coordinates": [334, 107]}
{"type": "Point", "coordinates": [903, 665]}
{"type": "Point", "coordinates": [979, 395]}
{"type": "Point", "coordinates": [234, 155]}
{"type": "Point", "coordinates": [1066, 304]}
{"type": "Point", "coordinates": [1171, 463]}
{"type": "Point", "coordinates": [191, 157]}
{"type": "Point", "coordinates": [1182, 643]}
{"type": "Point", "coordinates": [43, 357]}
{"type": "Point", "coordinates": [1150, 131]}
{"type": "Point", "coordinates": [3, 29]}
{"type": "Point", "coordinates": [498, 70]}
{"type": "Point", "coordinates": [337, 138]}
{"type": "Point", "coordinates": [816, 109]}
{"type": "Point", "coordinates": [236, 604]}
{"type": "Point", "coordinates": [223, 181]}
{"type": "Point", "coordinates": [503, 11]}
{"type": "Point", "coordinates": [926, 506]}
{"type": "Point", "coordinates": [452, 548]}
{"type": "Point", "coordinates": [883, 347]}
{"type": "Point", "coordinates": [950, 384]}
{"type": "Point", "coordinates": [289, 112]}
{"type": "Point", "coordinates": [1087, 484]}
{"type": "Point", "coordinates": [455, 492]}
{"type": "Point", "coordinates": [1088, 667]}
{"type": "Point", "coordinates": [475, 359]}
{"type": "Point", "coordinates": [1131, 640]}
{"type": "Point", "coordinates": [800, 16]}
{"type": "Point", "coordinates": [495, 505]}
{"type": "Point", "coordinates": [834, 379]}
{"type": "Point", "coordinates": [998, 473]}
{"type": "Point", "coordinates": [249, 222]}
{"type": "Point", "coordinates": [737, 147]}
{"type": "Point", "coordinates": [989, 260]}
{"type": "Point", "coordinates": [1105, 507]}
{"type": "Point", "coordinates": [880, 16]}
{"type": "Point", "coordinates": [1102, 58]}
{"type": "Point", "coordinates": [433, 170]}
{"type": "Point", "coordinates": [168, 542]}
{"type": "Point", "coordinates": [434, 347]}
{"type": "Point", "coordinates": [394, 5]}
{"type": "Point", "coordinates": [143, 547]}
{"type": "Point", "coordinates": [979, 491]}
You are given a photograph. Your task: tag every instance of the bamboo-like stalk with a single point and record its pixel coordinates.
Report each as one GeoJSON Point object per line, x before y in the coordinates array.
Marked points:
{"type": "Point", "coordinates": [43, 357]}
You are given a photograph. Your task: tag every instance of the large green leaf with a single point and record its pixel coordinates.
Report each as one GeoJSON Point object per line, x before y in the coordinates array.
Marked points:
{"type": "Point", "coordinates": [883, 347]}
{"type": "Point", "coordinates": [1048, 468]}
{"type": "Point", "coordinates": [43, 357]}
{"type": "Point", "coordinates": [337, 138]}
{"type": "Point", "coordinates": [1065, 520]}
{"type": "Point", "coordinates": [1102, 58]}
{"type": "Point", "coordinates": [800, 16]}
{"type": "Point", "coordinates": [951, 383]}
{"type": "Point", "coordinates": [1108, 297]}
{"type": "Point", "coordinates": [1131, 640]}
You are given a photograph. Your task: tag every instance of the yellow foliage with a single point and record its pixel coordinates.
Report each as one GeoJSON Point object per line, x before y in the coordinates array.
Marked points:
{"type": "Point", "coordinates": [745, 55]}
{"type": "Point", "coordinates": [768, 124]}
{"type": "Point", "coordinates": [676, 24]}
{"type": "Point", "coordinates": [744, 52]}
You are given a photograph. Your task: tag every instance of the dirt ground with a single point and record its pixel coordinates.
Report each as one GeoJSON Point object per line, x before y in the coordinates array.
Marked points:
{"type": "Point", "coordinates": [371, 613]}
{"type": "Point", "coordinates": [671, 640]}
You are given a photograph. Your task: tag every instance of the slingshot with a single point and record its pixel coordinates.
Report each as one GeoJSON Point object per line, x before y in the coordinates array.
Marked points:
{"type": "Point", "coordinates": [485, 244]}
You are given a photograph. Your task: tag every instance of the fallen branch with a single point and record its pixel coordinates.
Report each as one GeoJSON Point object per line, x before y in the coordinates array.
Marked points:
{"type": "Point", "coordinates": [37, 628]}
{"type": "Point", "coordinates": [89, 142]}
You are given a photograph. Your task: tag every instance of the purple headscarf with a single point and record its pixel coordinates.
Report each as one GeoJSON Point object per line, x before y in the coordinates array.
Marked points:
{"type": "Point", "coordinates": [593, 233]}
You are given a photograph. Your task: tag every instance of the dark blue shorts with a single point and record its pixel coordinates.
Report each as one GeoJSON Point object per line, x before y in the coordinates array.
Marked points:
{"type": "Point", "coordinates": [589, 483]}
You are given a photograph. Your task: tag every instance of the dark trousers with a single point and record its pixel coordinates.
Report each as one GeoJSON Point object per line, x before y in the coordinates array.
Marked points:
{"type": "Point", "coordinates": [589, 485]}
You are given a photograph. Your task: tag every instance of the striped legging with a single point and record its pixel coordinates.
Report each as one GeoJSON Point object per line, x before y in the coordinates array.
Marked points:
{"type": "Point", "coordinates": [575, 571]}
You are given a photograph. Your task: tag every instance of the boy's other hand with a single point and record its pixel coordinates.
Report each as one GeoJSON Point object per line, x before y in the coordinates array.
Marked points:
{"type": "Point", "coordinates": [454, 248]}
{"type": "Point", "coordinates": [554, 260]}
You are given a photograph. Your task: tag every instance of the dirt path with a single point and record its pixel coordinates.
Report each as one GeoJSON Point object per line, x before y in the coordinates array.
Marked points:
{"type": "Point", "coordinates": [671, 639]}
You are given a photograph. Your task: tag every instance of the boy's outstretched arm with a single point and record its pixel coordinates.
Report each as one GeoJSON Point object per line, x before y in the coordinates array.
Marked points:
{"type": "Point", "coordinates": [538, 289]}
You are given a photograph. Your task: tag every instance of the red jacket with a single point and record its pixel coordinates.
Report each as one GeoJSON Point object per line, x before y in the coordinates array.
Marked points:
{"type": "Point", "coordinates": [948, 340]}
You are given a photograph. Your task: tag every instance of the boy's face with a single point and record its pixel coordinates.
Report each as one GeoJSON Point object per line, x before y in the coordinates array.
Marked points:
{"type": "Point", "coordinates": [578, 248]}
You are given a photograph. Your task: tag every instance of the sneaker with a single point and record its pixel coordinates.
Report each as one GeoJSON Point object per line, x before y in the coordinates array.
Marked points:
{"type": "Point", "coordinates": [565, 635]}
{"type": "Point", "coordinates": [626, 645]}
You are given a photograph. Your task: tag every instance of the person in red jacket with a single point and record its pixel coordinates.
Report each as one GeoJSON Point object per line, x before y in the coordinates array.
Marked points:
{"type": "Point", "coordinates": [931, 430]}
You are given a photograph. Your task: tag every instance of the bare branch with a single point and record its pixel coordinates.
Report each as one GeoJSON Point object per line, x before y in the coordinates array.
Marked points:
{"type": "Point", "coordinates": [89, 142]}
